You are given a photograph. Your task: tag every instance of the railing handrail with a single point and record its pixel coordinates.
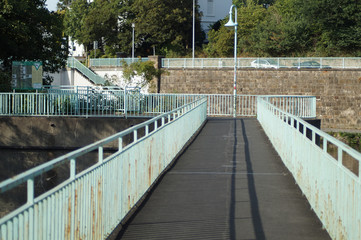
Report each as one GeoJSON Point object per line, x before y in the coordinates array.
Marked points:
{"type": "Point", "coordinates": [346, 148]}
{"type": "Point", "coordinates": [273, 62]}
{"type": "Point", "coordinates": [36, 171]}
{"type": "Point", "coordinates": [332, 188]}
{"type": "Point", "coordinates": [117, 103]}
{"type": "Point", "coordinates": [113, 62]}
{"type": "Point", "coordinates": [74, 63]}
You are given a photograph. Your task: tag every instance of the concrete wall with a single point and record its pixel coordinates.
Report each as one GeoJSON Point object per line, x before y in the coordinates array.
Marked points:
{"type": "Point", "coordinates": [59, 132]}
{"type": "Point", "coordinates": [26, 142]}
{"type": "Point", "coordinates": [70, 77]}
{"type": "Point", "coordinates": [338, 92]}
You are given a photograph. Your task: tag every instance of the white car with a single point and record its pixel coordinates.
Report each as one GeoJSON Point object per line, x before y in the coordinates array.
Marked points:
{"type": "Point", "coordinates": [264, 63]}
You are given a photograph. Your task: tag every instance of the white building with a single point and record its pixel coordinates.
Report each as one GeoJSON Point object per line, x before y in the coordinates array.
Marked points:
{"type": "Point", "coordinates": [213, 10]}
{"type": "Point", "coordinates": [75, 49]}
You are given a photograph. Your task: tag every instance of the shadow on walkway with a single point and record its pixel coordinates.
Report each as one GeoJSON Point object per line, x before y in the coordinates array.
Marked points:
{"type": "Point", "coordinates": [228, 184]}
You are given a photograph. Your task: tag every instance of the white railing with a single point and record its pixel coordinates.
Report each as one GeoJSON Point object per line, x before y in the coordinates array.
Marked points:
{"type": "Point", "coordinates": [131, 103]}
{"type": "Point", "coordinates": [74, 63]}
{"type": "Point", "coordinates": [90, 203]}
{"type": "Point", "coordinates": [113, 62]}
{"type": "Point", "coordinates": [271, 63]}
{"type": "Point", "coordinates": [327, 170]}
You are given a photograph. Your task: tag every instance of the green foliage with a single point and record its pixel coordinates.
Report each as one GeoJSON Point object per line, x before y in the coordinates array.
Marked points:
{"type": "Point", "coordinates": [165, 25]}
{"type": "Point", "coordinates": [352, 138]}
{"type": "Point", "coordinates": [74, 21]}
{"type": "Point", "coordinates": [250, 15]}
{"type": "Point", "coordinates": [292, 28]}
{"type": "Point", "coordinates": [5, 81]}
{"type": "Point", "coordinates": [144, 69]}
{"type": "Point", "coordinates": [28, 31]}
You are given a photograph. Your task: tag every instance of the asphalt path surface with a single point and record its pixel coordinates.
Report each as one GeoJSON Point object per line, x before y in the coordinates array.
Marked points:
{"type": "Point", "coordinates": [228, 184]}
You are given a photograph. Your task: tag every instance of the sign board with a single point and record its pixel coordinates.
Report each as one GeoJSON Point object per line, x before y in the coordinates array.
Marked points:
{"type": "Point", "coordinates": [27, 74]}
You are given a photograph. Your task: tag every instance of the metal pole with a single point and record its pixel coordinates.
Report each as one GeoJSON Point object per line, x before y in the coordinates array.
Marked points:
{"type": "Point", "coordinates": [235, 64]}
{"type": "Point", "coordinates": [234, 24]}
{"type": "Point", "coordinates": [133, 26]}
{"type": "Point", "coordinates": [193, 38]}
{"type": "Point", "coordinates": [235, 71]}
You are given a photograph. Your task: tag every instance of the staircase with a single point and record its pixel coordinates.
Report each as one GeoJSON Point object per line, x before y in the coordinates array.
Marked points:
{"type": "Point", "coordinates": [93, 77]}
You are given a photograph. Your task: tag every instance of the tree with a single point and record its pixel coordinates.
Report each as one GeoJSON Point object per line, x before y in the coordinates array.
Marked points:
{"type": "Point", "coordinates": [249, 17]}
{"type": "Point", "coordinates": [336, 25]}
{"type": "Point", "coordinates": [283, 32]}
{"type": "Point", "coordinates": [28, 31]}
{"type": "Point", "coordinates": [105, 21]}
{"type": "Point", "coordinates": [145, 70]}
{"type": "Point", "coordinates": [63, 4]}
{"type": "Point", "coordinates": [165, 24]}
{"type": "Point", "coordinates": [292, 28]}
{"type": "Point", "coordinates": [74, 21]}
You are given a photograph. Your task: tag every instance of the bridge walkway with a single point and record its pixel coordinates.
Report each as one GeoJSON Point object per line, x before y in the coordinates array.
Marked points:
{"type": "Point", "coordinates": [229, 184]}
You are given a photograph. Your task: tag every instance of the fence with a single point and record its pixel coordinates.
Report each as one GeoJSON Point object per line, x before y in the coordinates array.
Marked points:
{"type": "Point", "coordinates": [100, 102]}
{"type": "Point", "coordinates": [113, 62]}
{"type": "Point", "coordinates": [275, 63]}
{"type": "Point", "coordinates": [327, 170]}
{"type": "Point", "coordinates": [61, 104]}
{"type": "Point", "coordinates": [90, 203]}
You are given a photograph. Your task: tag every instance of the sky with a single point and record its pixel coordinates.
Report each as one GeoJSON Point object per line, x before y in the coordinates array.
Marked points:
{"type": "Point", "coordinates": [51, 4]}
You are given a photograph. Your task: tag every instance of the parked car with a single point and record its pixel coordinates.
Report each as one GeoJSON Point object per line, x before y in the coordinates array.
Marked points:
{"type": "Point", "coordinates": [310, 64]}
{"type": "Point", "coordinates": [264, 63]}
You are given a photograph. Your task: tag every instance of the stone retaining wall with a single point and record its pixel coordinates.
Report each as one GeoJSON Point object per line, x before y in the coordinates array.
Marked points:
{"type": "Point", "coordinates": [338, 91]}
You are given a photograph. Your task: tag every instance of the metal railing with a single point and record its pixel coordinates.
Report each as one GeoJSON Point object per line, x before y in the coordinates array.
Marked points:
{"type": "Point", "coordinates": [113, 62]}
{"type": "Point", "coordinates": [62, 104]}
{"type": "Point", "coordinates": [90, 203]}
{"type": "Point", "coordinates": [327, 170]}
{"type": "Point", "coordinates": [299, 106]}
{"type": "Point", "coordinates": [246, 106]}
{"type": "Point", "coordinates": [95, 78]}
{"type": "Point", "coordinates": [271, 63]}
{"type": "Point", "coordinates": [99, 102]}
{"type": "Point", "coordinates": [90, 103]}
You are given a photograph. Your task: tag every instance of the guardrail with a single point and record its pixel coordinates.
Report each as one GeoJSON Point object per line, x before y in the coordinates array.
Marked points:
{"type": "Point", "coordinates": [62, 104]}
{"type": "Point", "coordinates": [272, 63]}
{"type": "Point", "coordinates": [327, 170]}
{"type": "Point", "coordinates": [99, 102]}
{"type": "Point", "coordinates": [246, 106]}
{"type": "Point", "coordinates": [90, 203]}
{"type": "Point", "coordinates": [74, 63]}
{"type": "Point", "coordinates": [113, 62]}
{"type": "Point", "coordinates": [91, 103]}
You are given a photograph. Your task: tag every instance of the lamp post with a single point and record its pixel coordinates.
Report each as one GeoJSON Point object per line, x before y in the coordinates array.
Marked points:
{"type": "Point", "coordinates": [193, 35]}
{"type": "Point", "coordinates": [133, 26]}
{"type": "Point", "coordinates": [234, 24]}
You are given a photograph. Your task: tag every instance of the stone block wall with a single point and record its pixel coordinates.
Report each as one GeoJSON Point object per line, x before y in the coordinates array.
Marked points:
{"type": "Point", "coordinates": [338, 91]}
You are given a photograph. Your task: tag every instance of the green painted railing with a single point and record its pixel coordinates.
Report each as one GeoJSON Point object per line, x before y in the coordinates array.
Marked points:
{"type": "Point", "coordinates": [90, 203]}
{"type": "Point", "coordinates": [327, 170]}
{"type": "Point", "coordinates": [86, 204]}
{"type": "Point", "coordinates": [96, 102]}
{"type": "Point", "coordinates": [270, 63]}
{"type": "Point", "coordinates": [113, 62]}
{"type": "Point", "coordinates": [74, 63]}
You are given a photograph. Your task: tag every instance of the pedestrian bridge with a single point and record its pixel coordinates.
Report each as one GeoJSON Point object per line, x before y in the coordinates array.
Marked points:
{"type": "Point", "coordinates": [229, 183]}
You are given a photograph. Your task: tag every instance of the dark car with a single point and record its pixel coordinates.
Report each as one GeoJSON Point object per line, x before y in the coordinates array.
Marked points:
{"type": "Point", "coordinates": [310, 64]}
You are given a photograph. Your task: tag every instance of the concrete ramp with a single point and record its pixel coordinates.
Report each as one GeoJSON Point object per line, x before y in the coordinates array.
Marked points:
{"type": "Point", "coordinates": [229, 184]}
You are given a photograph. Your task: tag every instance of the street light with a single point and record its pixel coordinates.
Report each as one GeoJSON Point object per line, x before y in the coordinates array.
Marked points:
{"type": "Point", "coordinates": [133, 26]}
{"type": "Point", "coordinates": [234, 24]}
{"type": "Point", "coordinates": [193, 35]}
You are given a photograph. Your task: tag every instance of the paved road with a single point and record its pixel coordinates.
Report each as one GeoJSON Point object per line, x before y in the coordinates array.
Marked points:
{"type": "Point", "coordinates": [229, 184]}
